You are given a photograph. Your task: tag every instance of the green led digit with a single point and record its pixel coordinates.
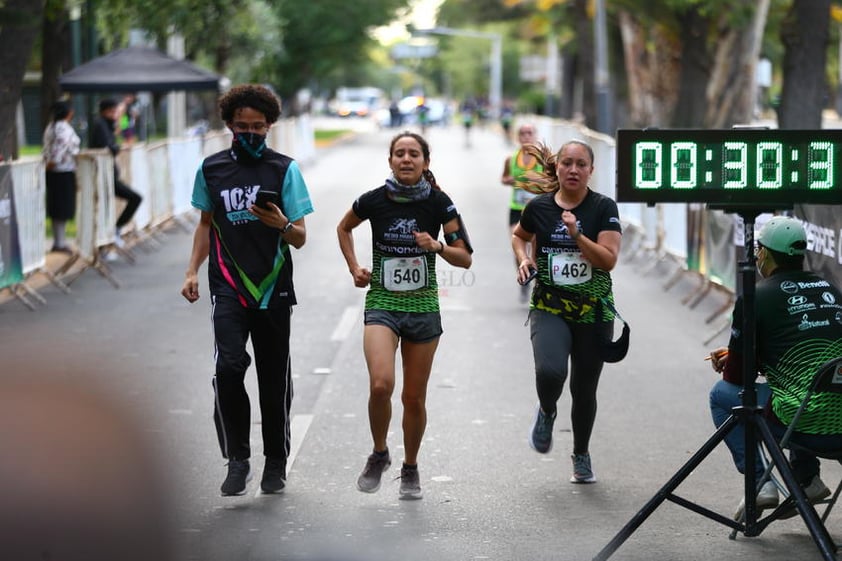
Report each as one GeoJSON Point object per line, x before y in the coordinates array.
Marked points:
{"type": "Point", "coordinates": [683, 168]}
{"type": "Point", "coordinates": [649, 161]}
{"type": "Point", "coordinates": [820, 165]}
{"type": "Point", "coordinates": [770, 165]}
{"type": "Point", "coordinates": [734, 165]}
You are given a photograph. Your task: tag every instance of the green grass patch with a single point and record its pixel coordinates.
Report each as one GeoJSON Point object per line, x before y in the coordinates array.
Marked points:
{"type": "Point", "coordinates": [330, 134]}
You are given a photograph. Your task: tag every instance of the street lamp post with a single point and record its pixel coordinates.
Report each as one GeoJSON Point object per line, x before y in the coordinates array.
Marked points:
{"type": "Point", "coordinates": [495, 91]}
{"type": "Point", "coordinates": [604, 117]}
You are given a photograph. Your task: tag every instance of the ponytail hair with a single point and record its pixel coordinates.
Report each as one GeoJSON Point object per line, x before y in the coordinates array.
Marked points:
{"type": "Point", "coordinates": [428, 175]}
{"type": "Point", "coordinates": [546, 181]}
{"type": "Point", "coordinates": [538, 182]}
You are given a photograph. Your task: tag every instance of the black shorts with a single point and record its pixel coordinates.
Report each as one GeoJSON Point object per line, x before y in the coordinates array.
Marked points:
{"type": "Point", "coordinates": [514, 216]}
{"type": "Point", "coordinates": [413, 326]}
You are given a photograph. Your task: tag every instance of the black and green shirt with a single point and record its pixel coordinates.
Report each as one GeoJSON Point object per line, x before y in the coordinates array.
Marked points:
{"type": "Point", "coordinates": [403, 275]}
{"type": "Point", "coordinates": [798, 328]}
{"type": "Point", "coordinates": [561, 264]}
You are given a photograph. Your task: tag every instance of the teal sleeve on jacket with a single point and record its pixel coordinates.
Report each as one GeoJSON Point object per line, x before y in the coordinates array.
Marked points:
{"type": "Point", "coordinates": [296, 198]}
{"type": "Point", "coordinates": [201, 198]}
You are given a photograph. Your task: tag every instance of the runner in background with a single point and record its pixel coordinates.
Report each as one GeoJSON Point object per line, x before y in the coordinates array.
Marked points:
{"type": "Point", "coordinates": [514, 169]}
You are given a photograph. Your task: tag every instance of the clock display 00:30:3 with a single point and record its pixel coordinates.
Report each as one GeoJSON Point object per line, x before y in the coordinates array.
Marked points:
{"type": "Point", "coordinates": [735, 164]}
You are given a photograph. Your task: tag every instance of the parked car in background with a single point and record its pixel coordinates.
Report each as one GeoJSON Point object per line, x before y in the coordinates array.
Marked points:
{"type": "Point", "coordinates": [356, 102]}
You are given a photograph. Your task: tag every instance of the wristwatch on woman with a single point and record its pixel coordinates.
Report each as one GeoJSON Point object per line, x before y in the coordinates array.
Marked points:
{"type": "Point", "coordinates": [287, 227]}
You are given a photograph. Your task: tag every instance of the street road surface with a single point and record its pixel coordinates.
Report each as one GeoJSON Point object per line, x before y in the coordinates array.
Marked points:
{"type": "Point", "coordinates": [487, 495]}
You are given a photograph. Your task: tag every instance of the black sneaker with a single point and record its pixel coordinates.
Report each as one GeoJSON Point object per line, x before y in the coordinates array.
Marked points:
{"type": "Point", "coordinates": [274, 476]}
{"type": "Point", "coordinates": [369, 479]}
{"type": "Point", "coordinates": [239, 473]}
{"type": "Point", "coordinates": [410, 484]}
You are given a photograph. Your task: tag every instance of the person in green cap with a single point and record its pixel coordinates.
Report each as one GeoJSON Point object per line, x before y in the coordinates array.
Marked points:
{"type": "Point", "coordinates": [798, 328]}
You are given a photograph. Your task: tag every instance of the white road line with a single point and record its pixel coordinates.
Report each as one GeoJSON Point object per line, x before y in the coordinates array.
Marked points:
{"type": "Point", "coordinates": [298, 430]}
{"type": "Point", "coordinates": [299, 426]}
{"type": "Point", "coordinates": [346, 324]}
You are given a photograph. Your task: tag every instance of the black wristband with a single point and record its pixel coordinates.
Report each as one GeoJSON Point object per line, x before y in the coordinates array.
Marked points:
{"type": "Point", "coordinates": [441, 248]}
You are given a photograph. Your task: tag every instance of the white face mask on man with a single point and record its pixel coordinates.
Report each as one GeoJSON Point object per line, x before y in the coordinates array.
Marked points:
{"type": "Point", "coordinates": [761, 255]}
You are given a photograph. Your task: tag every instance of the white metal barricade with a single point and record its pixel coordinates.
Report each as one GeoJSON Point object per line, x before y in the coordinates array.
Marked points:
{"type": "Point", "coordinates": [185, 156]}
{"type": "Point", "coordinates": [160, 183]}
{"type": "Point", "coordinates": [95, 214]}
{"type": "Point", "coordinates": [139, 180]}
{"type": "Point", "coordinates": [29, 186]}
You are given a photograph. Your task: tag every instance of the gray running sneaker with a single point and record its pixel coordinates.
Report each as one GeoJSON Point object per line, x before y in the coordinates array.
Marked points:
{"type": "Point", "coordinates": [410, 484]}
{"type": "Point", "coordinates": [766, 498]}
{"type": "Point", "coordinates": [369, 479]}
{"type": "Point", "coordinates": [582, 472]}
{"type": "Point", "coordinates": [816, 492]}
{"type": "Point", "coordinates": [541, 438]}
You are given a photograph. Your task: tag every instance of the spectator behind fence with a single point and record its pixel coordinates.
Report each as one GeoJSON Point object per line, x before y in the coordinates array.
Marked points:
{"type": "Point", "coordinates": [60, 147]}
{"type": "Point", "coordinates": [128, 118]}
{"type": "Point", "coordinates": [104, 135]}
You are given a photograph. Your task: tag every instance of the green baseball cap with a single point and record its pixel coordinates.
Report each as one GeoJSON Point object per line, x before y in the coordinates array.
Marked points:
{"type": "Point", "coordinates": [783, 234]}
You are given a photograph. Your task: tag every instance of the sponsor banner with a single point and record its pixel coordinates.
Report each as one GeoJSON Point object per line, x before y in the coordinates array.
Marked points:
{"type": "Point", "coordinates": [824, 240]}
{"type": "Point", "coordinates": [11, 265]}
{"type": "Point", "coordinates": [719, 248]}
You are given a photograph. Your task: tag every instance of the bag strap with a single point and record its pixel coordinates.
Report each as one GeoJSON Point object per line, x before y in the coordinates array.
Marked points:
{"type": "Point", "coordinates": [613, 309]}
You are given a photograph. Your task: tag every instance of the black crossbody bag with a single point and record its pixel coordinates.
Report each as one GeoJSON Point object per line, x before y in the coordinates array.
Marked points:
{"type": "Point", "coordinates": [613, 351]}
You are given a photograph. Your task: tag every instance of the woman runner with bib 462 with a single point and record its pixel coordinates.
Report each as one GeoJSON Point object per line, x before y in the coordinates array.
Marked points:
{"type": "Point", "coordinates": [402, 303]}
{"type": "Point", "coordinates": [575, 233]}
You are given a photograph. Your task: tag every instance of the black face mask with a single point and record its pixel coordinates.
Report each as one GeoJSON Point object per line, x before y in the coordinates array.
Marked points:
{"type": "Point", "coordinates": [249, 144]}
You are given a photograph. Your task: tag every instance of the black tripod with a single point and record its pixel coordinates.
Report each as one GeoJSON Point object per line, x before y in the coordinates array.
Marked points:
{"type": "Point", "coordinates": [750, 415]}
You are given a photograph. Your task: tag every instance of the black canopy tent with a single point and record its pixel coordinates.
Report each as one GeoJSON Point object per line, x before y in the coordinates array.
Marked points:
{"type": "Point", "coordinates": [137, 68]}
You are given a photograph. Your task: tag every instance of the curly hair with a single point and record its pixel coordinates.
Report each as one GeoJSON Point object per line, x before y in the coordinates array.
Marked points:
{"type": "Point", "coordinates": [546, 181]}
{"type": "Point", "coordinates": [425, 150]}
{"type": "Point", "coordinates": [255, 96]}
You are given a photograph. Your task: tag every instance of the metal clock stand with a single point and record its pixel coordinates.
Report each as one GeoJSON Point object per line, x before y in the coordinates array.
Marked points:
{"type": "Point", "coordinates": [750, 415]}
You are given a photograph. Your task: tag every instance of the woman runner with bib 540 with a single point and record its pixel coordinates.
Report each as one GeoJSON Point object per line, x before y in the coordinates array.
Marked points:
{"type": "Point", "coordinates": [402, 303]}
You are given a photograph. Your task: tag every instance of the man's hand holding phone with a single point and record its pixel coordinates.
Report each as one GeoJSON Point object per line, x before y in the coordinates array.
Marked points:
{"type": "Point", "coordinates": [265, 197]}
{"type": "Point", "coordinates": [269, 215]}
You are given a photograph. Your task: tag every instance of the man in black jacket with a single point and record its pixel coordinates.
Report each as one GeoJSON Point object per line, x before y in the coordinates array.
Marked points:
{"type": "Point", "coordinates": [103, 136]}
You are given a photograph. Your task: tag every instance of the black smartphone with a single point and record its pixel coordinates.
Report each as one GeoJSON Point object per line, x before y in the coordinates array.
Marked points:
{"type": "Point", "coordinates": [265, 197]}
{"type": "Point", "coordinates": [532, 274]}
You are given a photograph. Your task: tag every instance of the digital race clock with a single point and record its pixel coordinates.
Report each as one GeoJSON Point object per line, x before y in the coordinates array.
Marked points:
{"type": "Point", "coordinates": [765, 167]}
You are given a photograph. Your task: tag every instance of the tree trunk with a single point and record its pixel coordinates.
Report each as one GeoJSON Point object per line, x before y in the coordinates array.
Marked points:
{"type": "Point", "coordinates": [585, 60]}
{"type": "Point", "coordinates": [21, 20]}
{"type": "Point", "coordinates": [696, 60]}
{"type": "Point", "coordinates": [55, 55]}
{"type": "Point", "coordinates": [732, 90]}
{"type": "Point", "coordinates": [805, 35]}
{"type": "Point", "coordinates": [568, 83]}
{"type": "Point", "coordinates": [651, 72]}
